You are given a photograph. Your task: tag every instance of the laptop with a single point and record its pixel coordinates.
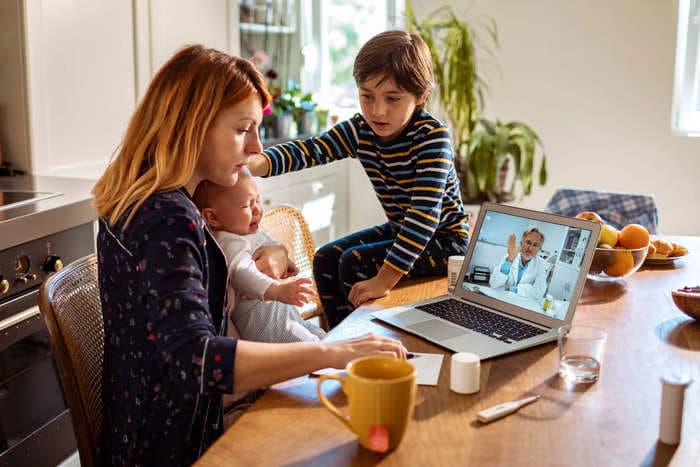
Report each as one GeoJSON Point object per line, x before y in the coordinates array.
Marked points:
{"type": "Point", "coordinates": [496, 308]}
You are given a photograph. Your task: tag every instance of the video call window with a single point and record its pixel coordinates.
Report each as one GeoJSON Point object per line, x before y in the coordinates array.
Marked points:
{"type": "Point", "coordinates": [544, 270]}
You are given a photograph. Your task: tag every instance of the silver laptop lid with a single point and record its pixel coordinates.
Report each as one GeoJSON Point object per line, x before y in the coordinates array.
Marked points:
{"type": "Point", "coordinates": [544, 281]}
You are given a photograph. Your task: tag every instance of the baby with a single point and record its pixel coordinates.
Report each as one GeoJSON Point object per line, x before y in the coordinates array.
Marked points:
{"type": "Point", "coordinates": [262, 307]}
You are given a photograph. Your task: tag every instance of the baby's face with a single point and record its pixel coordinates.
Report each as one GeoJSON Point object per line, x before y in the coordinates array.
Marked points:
{"type": "Point", "coordinates": [239, 210]}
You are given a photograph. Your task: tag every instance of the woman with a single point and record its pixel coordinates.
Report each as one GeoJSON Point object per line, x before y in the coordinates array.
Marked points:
{"type": "Point", "coordinates": [167, 360]}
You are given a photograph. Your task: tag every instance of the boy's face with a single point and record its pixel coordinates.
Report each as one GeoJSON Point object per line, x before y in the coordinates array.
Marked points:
{"type": "Point", "coordinates": [386, 107]}
{"type": "Point", "coordinates": [238, 210]}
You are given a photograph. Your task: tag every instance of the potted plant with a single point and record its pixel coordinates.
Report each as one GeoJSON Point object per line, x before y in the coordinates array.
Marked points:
{"type": "Point", "coordinates": [304, 111]}
{"type": "Point", "coordinates": [497, 157]}
{"type": "Point", "coordinates": [493, 159]}
{"type": "Point", "coordinates": [292, 105]}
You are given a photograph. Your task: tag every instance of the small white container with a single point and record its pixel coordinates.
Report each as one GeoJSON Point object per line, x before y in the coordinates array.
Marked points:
{"type": "Point", "coordinates": [671, 419]}
{"type": "Point", "coordinates": [465, 369]}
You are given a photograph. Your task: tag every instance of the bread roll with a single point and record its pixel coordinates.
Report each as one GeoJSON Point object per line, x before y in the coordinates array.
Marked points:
{"type": "Point", "coordinates": [678, 250]}
{"type": "Point", "coordinates": [663, 247]}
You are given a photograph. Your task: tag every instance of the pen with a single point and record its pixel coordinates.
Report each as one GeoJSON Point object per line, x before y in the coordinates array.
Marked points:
{"type": "Point", "coordinates": [501, 410]}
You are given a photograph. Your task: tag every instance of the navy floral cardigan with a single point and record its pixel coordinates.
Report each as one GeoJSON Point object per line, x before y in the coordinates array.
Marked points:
{"type": "Point", "coordinates": [167, 361]}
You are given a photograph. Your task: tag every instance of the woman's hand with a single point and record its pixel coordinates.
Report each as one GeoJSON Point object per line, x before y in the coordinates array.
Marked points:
{"type": "Point", "coordinates": [272, 259]}
{"type": "Point", "coordinates": [369, 344]}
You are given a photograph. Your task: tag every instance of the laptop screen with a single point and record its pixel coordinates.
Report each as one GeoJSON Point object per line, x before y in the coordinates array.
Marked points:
{"type": "Point", "coordinates": [530, 263]}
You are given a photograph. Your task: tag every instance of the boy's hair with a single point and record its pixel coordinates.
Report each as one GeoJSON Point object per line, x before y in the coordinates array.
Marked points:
{"type": "Point", "coordinates": [167, 130]}
{"type": "Point", "coordinates": [399, 55]}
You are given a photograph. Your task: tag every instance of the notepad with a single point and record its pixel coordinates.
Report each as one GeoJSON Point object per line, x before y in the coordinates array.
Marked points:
{"type": "Point", "coordinates": [427, 367]}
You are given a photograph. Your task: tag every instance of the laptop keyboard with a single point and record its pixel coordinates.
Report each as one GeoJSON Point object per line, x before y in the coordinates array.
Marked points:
{"type": "Point", "coordinates": [482, 321]}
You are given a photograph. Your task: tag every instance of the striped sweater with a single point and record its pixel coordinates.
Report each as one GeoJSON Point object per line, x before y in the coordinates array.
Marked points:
{"type": "Point", "coordinates": [413, 177]}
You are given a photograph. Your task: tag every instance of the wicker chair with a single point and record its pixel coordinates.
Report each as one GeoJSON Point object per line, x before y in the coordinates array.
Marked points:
{"type": "Point", "coordinates": [69, 302]}
{"type": "Point", "coordinates": [287, 225]}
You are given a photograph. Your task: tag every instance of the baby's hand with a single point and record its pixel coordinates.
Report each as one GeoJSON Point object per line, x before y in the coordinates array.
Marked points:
{"type": "Point", "coordinates": [294, 292]}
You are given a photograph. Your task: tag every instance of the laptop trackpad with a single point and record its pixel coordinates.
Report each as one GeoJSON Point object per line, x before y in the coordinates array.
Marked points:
{"type": "Point", "coordinates": [437, 330]}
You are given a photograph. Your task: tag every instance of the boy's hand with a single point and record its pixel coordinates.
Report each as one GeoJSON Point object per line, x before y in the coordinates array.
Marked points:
{"type": "Point", "coordinates": [364, 291]}
{"type": "Point", "coordinates": [378, 286]}
{"type": "Point", "coordinates": [294, 292]}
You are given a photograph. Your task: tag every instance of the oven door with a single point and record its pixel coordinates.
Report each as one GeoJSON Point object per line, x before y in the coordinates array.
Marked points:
{"type": "Point", "coordinates": [35, 426]}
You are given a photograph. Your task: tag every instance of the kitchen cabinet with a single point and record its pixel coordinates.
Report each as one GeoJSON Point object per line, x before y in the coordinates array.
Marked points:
{"type": "Point", "coordinates": [164, 26]}
{"type": "Point", "coordinates": [319, 193]}
{"type": "Point", "coordinates": [73, 71]}
{"type": "Point", "coordinates": [67, 87]}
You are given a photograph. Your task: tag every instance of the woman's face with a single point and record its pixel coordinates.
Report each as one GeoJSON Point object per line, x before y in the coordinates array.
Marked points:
{"type": "Point", "coordinates": [386, 107]}
{"type": "Point", "coordinates": [229, 143]}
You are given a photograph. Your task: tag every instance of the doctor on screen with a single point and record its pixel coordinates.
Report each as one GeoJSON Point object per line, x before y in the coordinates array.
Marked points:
{"type": "Point", "coordinates": [522, 272]}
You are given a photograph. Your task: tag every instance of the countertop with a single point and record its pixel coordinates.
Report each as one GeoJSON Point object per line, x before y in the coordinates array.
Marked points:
{"type": "Point", "coordinates": [31, 221]}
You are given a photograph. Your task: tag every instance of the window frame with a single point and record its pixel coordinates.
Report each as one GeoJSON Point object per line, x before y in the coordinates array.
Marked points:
{"type": "Point", "coordinates": [685, 113]}
{"type": "Point", "coordinates": [314, 75]}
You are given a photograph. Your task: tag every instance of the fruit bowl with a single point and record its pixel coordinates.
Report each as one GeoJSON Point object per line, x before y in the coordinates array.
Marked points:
{"type": "Point", "coordinates": [688, 301]}
{"type": "Point", "coordinates": [614, 264]}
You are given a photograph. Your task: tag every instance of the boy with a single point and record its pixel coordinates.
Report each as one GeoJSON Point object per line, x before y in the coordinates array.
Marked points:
{"type": "Point", "coordinates": [407, 155]}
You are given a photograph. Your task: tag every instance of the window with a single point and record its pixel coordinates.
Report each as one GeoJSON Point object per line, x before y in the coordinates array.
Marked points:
{"type": "Point", "coordinates": [332, 34]}
{"type": "Point", "coordinates": [685, 117]}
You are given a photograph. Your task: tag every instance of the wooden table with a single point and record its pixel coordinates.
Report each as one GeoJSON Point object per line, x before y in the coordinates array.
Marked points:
{"type": "Point", "coordinates": [612, 422]}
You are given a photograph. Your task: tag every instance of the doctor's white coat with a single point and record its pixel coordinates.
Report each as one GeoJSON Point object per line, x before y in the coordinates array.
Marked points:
{"type": "Point", "coordinates": [533, 283]}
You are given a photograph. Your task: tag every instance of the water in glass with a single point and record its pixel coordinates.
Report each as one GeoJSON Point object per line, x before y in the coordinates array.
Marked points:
{"type": "Point", "coordinates": [579, 368]}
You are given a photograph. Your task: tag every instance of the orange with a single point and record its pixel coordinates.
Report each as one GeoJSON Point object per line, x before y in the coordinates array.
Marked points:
{"type": "Point", "coordinates": [624, 263]}
{"type": "Point", "coordinates": [633, 236]}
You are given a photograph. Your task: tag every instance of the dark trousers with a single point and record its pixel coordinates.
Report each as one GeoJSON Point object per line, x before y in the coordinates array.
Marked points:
{"type": "Point", "coordinates": [359, 256]}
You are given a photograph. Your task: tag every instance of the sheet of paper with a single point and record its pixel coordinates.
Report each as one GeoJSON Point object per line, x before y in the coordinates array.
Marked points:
{"type": "Point", "coordinates": [427, 367]}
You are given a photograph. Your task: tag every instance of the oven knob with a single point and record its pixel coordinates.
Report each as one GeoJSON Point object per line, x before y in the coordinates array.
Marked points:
{"type": "Point", "coordinates": [22, 264]}
{"type": "Point", "coordinates": [4, 285]}
{"type": "Point", "coordinates": [53, 263]}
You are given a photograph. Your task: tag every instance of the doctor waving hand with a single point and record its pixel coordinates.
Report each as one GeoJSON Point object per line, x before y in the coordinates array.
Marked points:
{"type": "Point", "coordinates": [522, 271]}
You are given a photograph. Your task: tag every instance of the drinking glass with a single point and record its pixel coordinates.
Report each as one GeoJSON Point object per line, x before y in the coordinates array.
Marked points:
{"type": "Point", "coordinates": [580, 353]}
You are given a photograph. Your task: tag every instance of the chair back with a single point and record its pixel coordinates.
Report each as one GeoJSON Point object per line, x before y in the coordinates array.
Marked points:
{"type": "Point", "coordinates": [69, 301]}
{"type": "Point", "coordinates": [287, 225]}
{"type": "Point", "coordinates": [617, 209]}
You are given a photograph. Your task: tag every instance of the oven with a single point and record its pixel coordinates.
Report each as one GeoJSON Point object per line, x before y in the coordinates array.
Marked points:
{"type": "Point", "coordinates": [35, 426]}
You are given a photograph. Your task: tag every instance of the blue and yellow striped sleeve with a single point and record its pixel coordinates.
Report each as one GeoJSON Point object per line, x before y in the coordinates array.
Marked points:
{"type": "Point", "coordinates": [335, 144]}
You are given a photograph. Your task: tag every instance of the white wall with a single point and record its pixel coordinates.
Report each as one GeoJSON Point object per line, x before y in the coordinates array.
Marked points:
{"type": "Point", "coordinates": [595, 79]}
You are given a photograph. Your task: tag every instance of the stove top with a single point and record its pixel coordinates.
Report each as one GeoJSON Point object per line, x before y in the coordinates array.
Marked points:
{"type": "Point", "coordinates": [13, 198]}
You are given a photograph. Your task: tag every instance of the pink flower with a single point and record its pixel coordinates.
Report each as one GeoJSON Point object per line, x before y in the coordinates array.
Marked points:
{"type": "Point", "coordinates": [267, 110]}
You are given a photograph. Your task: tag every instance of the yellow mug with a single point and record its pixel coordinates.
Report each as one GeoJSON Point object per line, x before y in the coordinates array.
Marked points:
{"type": "Point", "coordinates": [381, 392]}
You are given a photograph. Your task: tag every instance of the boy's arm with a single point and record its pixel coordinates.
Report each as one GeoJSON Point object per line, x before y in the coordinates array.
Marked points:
{"type": "Point", "coordinates": [259, 165]}
{"type": "Point", "coordinates": [337, 143]}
